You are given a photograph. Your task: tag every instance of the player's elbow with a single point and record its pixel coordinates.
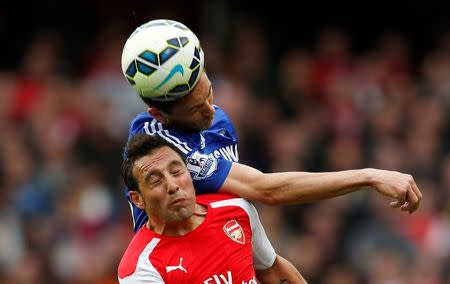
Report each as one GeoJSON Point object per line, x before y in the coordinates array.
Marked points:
{"type": "Point", "coordinates": [266, 193]}
{"type": "Point", "coordinates": [252, 184]}
{"type": "Point", "coordinates": [269, 197]}
{"type": "Point", "coordinates": [281, 269]}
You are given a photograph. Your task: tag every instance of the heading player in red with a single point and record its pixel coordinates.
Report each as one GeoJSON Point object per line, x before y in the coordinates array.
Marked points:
{"type": "Point", "coordinates": [216, 238]}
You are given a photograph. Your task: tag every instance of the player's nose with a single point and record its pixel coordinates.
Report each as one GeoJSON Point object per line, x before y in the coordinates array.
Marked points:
{"type": "Point", "coordinates": [172, 186]}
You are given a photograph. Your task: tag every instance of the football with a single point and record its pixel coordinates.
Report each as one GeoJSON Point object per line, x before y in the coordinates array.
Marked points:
{"type": "Point", "coordinates": [162, 60]}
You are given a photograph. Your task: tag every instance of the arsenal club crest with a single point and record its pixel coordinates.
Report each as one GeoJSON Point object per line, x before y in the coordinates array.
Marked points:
{"type": "Point", "coordinates": [234, 231]}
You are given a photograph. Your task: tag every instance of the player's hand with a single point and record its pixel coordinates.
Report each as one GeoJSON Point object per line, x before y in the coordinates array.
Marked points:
{"type": "Point", "coordinates": [399, 186]}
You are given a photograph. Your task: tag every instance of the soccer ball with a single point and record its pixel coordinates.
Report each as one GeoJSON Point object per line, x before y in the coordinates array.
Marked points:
{"type": "Point", "coordinates": [162, 60]}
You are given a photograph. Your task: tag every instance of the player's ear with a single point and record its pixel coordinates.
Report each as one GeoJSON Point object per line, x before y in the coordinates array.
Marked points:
{"type": "Point", "coordinates": [159, 115]}
{"type": "Point", "coordinates": [137, 199]}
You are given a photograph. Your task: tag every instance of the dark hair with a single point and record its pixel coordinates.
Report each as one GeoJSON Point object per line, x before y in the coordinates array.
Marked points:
{"type": "Point", "coordinates": [137, 147]}
{"type": "Point", "coordinates": [165, 107]}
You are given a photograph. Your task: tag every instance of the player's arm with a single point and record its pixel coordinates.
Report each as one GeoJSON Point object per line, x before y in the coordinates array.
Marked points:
{"type": "Point", "coordinates": [281, 272]}
{"type": "Point", "coordinates": [269, 267]}
{"type": "Point", "coordinates": [301, 187]}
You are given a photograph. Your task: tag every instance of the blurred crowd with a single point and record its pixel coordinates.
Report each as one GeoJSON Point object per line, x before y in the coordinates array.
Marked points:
{"type": "Point", "coordinates": [325, 107]}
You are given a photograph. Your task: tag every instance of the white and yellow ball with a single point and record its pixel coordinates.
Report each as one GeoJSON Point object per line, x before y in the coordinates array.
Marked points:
{"type": "Point", "coordinates": [162, 60]}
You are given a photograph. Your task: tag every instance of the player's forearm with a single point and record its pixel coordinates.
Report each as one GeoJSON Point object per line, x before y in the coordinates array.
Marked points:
{"type": "Point", "coordinates": [301, 187]}
{"type": "Point", "coordinates": [293, 187]}
{"type": "Point", "coordinates": [281, 272]}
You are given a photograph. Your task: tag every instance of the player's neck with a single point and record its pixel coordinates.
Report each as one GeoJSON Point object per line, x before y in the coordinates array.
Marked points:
{"type": "Point", "coordinates": [177, 229]}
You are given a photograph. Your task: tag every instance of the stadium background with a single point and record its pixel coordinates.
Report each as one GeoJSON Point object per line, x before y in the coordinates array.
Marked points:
{"type": "Point", "coordinates": [319, 87]}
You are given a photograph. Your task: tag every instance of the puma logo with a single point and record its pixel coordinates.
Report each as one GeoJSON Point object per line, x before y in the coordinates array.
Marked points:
{"type": "Point", "coordinates": [172, 268]}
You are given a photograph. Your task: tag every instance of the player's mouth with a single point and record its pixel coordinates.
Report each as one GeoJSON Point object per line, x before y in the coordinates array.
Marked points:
{"type": "Point", "coordinates": [177, 201]}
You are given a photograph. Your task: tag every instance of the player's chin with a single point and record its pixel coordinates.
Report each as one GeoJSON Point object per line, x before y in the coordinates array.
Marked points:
{"type": "Point", "coordinates": [208, 122]}
{"type": "Point", "coordinates": [181, 213]}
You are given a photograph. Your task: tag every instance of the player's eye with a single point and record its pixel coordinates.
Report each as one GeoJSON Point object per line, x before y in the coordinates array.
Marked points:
{"type": "Point", "coordinates": [155, 180]}
{"type": "Point", "coordinates": [176, 172]}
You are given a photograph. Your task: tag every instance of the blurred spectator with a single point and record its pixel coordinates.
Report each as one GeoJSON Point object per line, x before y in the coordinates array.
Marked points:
{"type": "Point", "coordinates": [38, 70]}
{"type": "Point", "coordinates": [105, 84]}
{"type": "Point", "coordinates": [340, 274]}
{"type": "Point", "coordinates": [332, 58]}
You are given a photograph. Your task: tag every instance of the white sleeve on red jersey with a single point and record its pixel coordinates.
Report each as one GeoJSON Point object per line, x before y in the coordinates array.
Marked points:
{"type": "Point", "coordinates": [263, 253]}
{"type": "Point", "coordinates": [145, 272]}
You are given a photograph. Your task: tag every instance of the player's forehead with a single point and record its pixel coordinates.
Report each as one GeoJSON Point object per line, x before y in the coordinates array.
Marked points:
{"type": "Point", "coordinates": [157, 161]}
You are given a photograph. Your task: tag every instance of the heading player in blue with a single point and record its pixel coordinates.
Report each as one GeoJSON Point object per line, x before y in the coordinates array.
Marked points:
{"type": "Point", "coordinates": [205, 135]}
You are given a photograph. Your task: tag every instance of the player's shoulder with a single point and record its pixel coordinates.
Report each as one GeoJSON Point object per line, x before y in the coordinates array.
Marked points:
{"type": "Point", "coordinates": [138, 122]}
{"type": "Point", "coordinates": [143, 116]}
{"type": "Point", "coordinates": [144, 122]}
{"type": "Point", "coordinates": [226, 201]}
{"type": "Point", "coordinates": [209, 198]}
{"type": "Point", "coordinates": [141, 243]}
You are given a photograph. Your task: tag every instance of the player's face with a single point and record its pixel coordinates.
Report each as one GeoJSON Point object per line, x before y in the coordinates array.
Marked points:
{"type": "Point", "coordinates": [166, 186]}
{"type": "Point", "coordinates": [194, 112]}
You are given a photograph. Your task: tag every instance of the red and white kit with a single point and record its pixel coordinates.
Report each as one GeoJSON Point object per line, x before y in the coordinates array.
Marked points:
{"type": "Point", "coordinates": [225, 248]}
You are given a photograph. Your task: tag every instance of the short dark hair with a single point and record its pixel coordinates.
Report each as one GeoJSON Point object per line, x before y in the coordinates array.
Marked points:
{"type": "Point", "coordinates": [165, 107]}
{"type": "Point", "coordinates": [137, 147]}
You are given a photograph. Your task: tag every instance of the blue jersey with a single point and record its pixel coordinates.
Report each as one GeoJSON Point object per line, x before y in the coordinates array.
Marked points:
{"type": "Point", "coordinates": [209, 153]}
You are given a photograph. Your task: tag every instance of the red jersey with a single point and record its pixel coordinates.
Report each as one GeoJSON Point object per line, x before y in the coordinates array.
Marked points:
{"type": "Point", "coordinates": [225, 248]}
